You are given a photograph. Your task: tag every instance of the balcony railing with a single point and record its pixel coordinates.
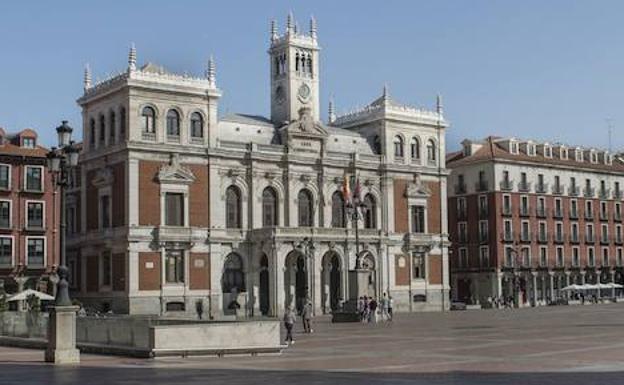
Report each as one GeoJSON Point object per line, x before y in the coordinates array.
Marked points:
{"type": "Point", "coordinates": [617, 194]}
{"type": "Point", "coordinates": [589, 214]}
{"type": "Point", "coordinates": [590, 238]}
{"type": "Point", "coordinates": [574, 191]}
{"type": "Point", "coordinates": [506, 211]}
{"type": "Point", "coordinates": [618, 240]}
{"type": "Point", "coordinates": [541, 188]}
{"type": "Point", "coordinates": [460, 188]}
{"type": "Point", "coordinates": [574, 214]}
{"type": "Point", "coordinates": [589, 192]}
{"type": "Point", "coordinates": [557, 189]}
{"type": "Point", "coordinates": [525, 237]}
{"type": "Point", "coordinates": [542, 237]}
{"type": "Point", "coordinates": [506, 185]}
{"type": "Point", "coordinates": [617, 216]}
{"type": "Point", "coordinates": [524, 186]}
{"type": "Point", "coordinates": [483, 213]}
{"type": "Point", "coordinates": [558, 238]}
{"type": "Point", "coordinates": [507, 236]}
{"type": "Point", "coordinates": [525, 212]}
{"type": "Point", "coordinates": [462, 215]}
{"type": "Point", "coordinates": [484, 237]}
{"type": "Point", "coordinates": [574, 238]}
{"type": "Point", "coordinates": [481, 185]}
{"type": "Point", "coordinates": [558, 213]}
{"type": "Point", "coordinates": [604, 240]}
{"type": "Point", "coordinates": [604, 193]}
{"type": "Point", "coordinates": [541, 212]}
{"type": "Point", "coordinates": [604, 216]}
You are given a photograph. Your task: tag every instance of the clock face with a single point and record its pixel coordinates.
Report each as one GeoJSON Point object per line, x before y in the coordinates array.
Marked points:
{"type": "Point", "coordinates": [304, 92]}
{"type": "Point", "coordinates": [280, 95]}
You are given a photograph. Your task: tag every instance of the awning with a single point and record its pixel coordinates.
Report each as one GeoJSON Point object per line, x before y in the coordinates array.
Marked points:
{"type": "Point", "coordinates": [28, 292]}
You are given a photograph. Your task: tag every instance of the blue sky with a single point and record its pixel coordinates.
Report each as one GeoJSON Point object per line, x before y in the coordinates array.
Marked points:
{"type": "Point", "coordinates": [545, 70]}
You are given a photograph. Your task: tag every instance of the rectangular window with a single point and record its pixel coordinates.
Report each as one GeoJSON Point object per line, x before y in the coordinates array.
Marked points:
{"type": "Point", "coordinates": [560, 258]}
{"type": "Point", "coordinates": [6, 251]}
{"type": "Point", "coordinates": [574, 236]}
{"type": "Point", "coordinates": [604, 234]}
{"type": "Point", "coordinates": [618, 233]}
{"type": "Point", "coordinates": [524, 205]}
{"type": "Point", "coordinates": [5, 177]}
{"type": "Point", "coordinates": [509, 254]}
{"type": "Point", "coordinates": [463, 258]}
{"type": "Point", "coordinates": [589, 233]}
{"type": "Point", "coordinates": [542, 232]}
{"type": "Point", "coordinates": [484, 256]}
{"type": "Point", "coordinates": [591, 258]}
{"type": "Point", "coordinates": [618, 212]}
{"type": "Point", "coordinates": [558, 208]}
{"type": "Point", "coordinates": [106, 268]}
{"type": "Point", "coordinates": [543, 256]}
{"type": "Point", "coordinates": [508, 235]}
{"type": "Point", "coordinates": [526, 256]}
{"type": "Point", "coordinates": [174, 266]}
{"type": "Point", "coordinates": [575, 257]}
{"type": "Point", "coordinates": [174, 209]}
{"type": "Point", "coordinates": [463, 232]}
{"type": "Point", "coordinates": [483, 231]}
{"type": "Point", "coordinates": [573, 209]}
{"type": "Point", "coordinates": [34, 178]}
{"type": "Point", "coordinates": [525, 233]}
{"type": "Point", "coordinates": [618, 253]}
{"type": "Point", "coordinates": [589, 210]}
{"type": "Point", "coordinates": [34, 215]}
{"type": "Point", "coordinates": [605, 257]}
{"type": "Point", "coordinates": [35, 251]}
{"type": "Point", "coordinates": [105, 212]}
{"type": "Point", "coordinates": [462, 210]}
{"type": "Point", "coordinates": [29, 142]}
{"type": "Point", "coordinates": [418, 219]}
{"type": "Point", "coordinates": [603, 210]}
{"type": "Point", "coordinates": [559, 232]}
{"type": "Point", "coordinates": [506, 204]}
{"type": "Point", "coordinates": [483, 205]}
{"type": "Point", "coordinates": [5, 214]}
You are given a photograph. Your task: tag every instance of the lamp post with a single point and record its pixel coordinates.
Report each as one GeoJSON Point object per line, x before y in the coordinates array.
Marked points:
{"type": "Point", "coordinates": [353, 213]}
{"type": "Point", "coordinates": [516, 261]}
{"type": "Point", "coordinates": [61, 160]}
{"type": "Point", "coordinates": [308, 251]}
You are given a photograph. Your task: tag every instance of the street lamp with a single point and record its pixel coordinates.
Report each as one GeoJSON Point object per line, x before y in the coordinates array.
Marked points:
{"type": "Point", "coordinates": [60, 162]}
{"type": "Point", "coordinates": [353, 212]}
{"type": "Point", "coordinates": [516, 261]}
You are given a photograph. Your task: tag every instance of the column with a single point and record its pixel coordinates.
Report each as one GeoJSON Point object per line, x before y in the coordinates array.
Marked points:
{"type": "Point", "coordinates": [583, 272]}
{"type": "Point", "coordinates": [499, 284]}
{"type": "Point", "coordinates": [552, 285]}
{"type": "Point", "coordinates": [567, 278]}
{"type": "Point", "coordinates": [613, 281]}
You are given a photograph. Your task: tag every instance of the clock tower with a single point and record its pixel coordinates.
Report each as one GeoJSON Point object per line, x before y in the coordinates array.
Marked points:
{"type": "Point", "coordinates": [294, 72]}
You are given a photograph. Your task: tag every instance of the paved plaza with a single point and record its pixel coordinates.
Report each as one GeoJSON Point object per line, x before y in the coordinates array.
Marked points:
{"type": "Point", "coordinates": [555, 345]}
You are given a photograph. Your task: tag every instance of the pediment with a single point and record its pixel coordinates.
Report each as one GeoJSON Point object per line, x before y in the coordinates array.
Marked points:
{"type": "Point", "coordinates": [175, 173]}
{"type": "Point", "coordinates": [305, 126]}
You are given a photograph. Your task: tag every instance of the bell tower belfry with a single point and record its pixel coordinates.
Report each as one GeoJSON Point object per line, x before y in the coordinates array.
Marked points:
{"type": "Point", "coordinates": [294, 72]}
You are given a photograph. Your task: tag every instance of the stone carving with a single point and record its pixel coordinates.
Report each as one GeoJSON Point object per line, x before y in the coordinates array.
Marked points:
{"type": "Point", "coordinates": [174, 172]}
{"type": "Point", "coordinates": [417, 189]}
{"type": "Point", "coordinates": [103, 177]}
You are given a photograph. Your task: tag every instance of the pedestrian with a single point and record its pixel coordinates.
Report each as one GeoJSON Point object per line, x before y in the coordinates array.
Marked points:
{"type": "Point", "coordinates": [306, 316]}
{"type": "Point", "coordinates": [360, 308]}
{"type": "Point", "coordinates": [390, 305]}
{"type": "Point", "coordinates": [384, 308]}
{"type": "Point", "coordinates": [199, 308]}
{"type": "Point", "coordinates": [366, 314]}
{"type": "Point", "coordinates": [373, 310]}
{"type": "Point", "coordinates": [289, 323]}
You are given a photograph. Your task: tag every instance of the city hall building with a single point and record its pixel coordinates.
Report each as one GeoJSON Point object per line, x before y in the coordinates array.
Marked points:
{"type": "Point", "coordinates": [176, 205]}
{"type": "Point", "coordinates": [528, 219]}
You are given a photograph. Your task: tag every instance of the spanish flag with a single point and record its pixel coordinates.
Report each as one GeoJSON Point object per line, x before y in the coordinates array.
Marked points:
{"type": "Point", "coordinates": [346, 190]}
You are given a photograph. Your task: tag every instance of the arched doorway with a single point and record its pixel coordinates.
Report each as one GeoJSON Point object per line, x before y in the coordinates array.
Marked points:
{"type": "Point", "coordinates": [331, 281]}
{"type": "Point", "coordinates": [296, 281]}
{"type": "Point", "coordinates": [233, 284]}
{"type": "Point", "coordinates": [264, 286]}
{"type": "Point", "coordinates": [368, 263]}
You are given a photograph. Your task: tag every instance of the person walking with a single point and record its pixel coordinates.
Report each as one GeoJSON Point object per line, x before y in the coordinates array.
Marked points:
{"type": "Point", "coordinates": [306, 316]}
{"type": "Point", "coordinates": [289, 323]}
{"type": "Point", "coordinates": [373, 311]}
{"type": "Point", "coordinates": [366, 313]}
{"type": "Point", "coordinates": [384, 308]}
{"type": "Point", "coordinates": [360, 308]}
{"type": "Point", "coordinates": [390, 304]}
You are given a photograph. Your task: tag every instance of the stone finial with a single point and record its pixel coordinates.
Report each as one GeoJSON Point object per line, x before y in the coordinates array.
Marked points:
{"type": "Point", "coordinates": [132, 58]}
{"type": "Point", "coordinates": [439, 107]}
{"type": "Point", "coordinates": [273, 30]}
{"type": "Point", "coordinates": [211, 72]}
{"type": "Point", "coordinates": [289, 23]}
{"type": "Point", "coordinates": [331, 116]}
{"type": "Point", "coordinates": [312, 27]}
{"type": "Point", "coordinates": [87, 77]}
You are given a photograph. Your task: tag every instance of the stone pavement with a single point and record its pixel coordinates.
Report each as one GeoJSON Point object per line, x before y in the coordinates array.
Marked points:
{"type": "Point", "coordinates": [554, 345]}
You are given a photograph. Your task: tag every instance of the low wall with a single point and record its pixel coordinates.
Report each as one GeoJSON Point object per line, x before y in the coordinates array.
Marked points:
{"type": "Point", "coordinates": [148, 336]}
{"type": "Point", "coordinates": [216, 338]}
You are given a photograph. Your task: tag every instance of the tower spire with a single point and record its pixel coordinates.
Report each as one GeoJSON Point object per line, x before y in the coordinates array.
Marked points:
{"type": "Point", "coordinates": [289, 23]}
{"type": "Point", "coordinates": [87, 77]}
{"type": "Point", "coordinates": [211, 72]}
{"type": "Point", "coordinates": [273, 30]}
{"type": "Point", "coordinates": [132, 58]}
{"type": "Point", "coordinates": [439, 107]}
{"type": "Point", "coordinates": [331, 116]}
{"type": "Point", "coordinates": [312, 27]}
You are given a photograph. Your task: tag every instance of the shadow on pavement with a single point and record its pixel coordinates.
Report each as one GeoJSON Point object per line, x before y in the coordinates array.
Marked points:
{"type": "Point", "coordinates": [41, 374]}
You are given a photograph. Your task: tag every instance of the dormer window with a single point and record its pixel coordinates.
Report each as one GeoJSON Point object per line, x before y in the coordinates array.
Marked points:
{"type": "Point", "coordinates": [578, 155]}
{"type": "Point", "coordinates": [564, 153]}
{"type": "Point", "coordinates": [593, 157]}
{"type": "Point", "coordinates": [547, 151]}
{"type": "Point", "coordinates": [530, 149]}
{"type": "Point", "coordinates": [513, 147]}
{"type": "Point", "coordinates": [29, 142]}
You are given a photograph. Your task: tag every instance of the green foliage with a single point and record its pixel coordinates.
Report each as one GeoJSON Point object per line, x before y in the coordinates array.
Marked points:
{"type": "Point", "coordinates": [4, 305]}
{"type": "Point", "coordinates": [34, 303]}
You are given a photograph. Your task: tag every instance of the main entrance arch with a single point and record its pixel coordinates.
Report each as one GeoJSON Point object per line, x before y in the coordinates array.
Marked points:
{"type": "Point", "coordinates": [296, 280]}
{"type": "Point", "coordinates": [331, 281]}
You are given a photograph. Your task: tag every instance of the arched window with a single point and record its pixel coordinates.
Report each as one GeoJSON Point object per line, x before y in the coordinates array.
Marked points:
{"type": "Point", "coordinates": [173, 123]}
{"type": "Point", "coordinates": [370, 212]}
{"type": "Point", "coordinates": [102, 129]}
{"type": "Point", "coordinates": [398, 146]}
{"type": "Point", "coordinates": [269, 207]}
{"type": "Point", "coordinates": [122, 123]}
{"type": "Point", "coordinates": [112, 126]}
{"type": "Point", "coordinates": [232, 208]}
{"type": "Point", "coordinates": [197, 125]}
{"type": "Point", "coordinates": [305, 208]}
{"type": "Point", "coordinates": [310, 66]}
{"type": "Point", "coordinates": [149, 120]}
{"type": "Point", "coordinates": [431, 151]}
{"type": "Point", "coordinates": [415, 148]}
{"type": "Point", "coordinates": [233, 276]}
{"type": "Point", "coordinates": [338, 210]}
